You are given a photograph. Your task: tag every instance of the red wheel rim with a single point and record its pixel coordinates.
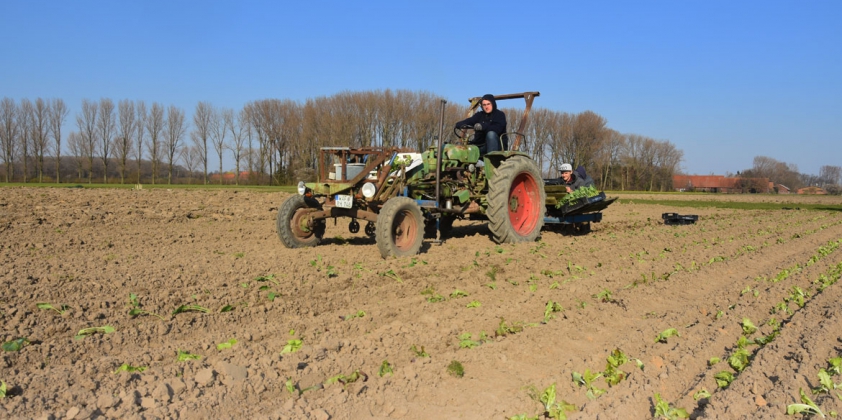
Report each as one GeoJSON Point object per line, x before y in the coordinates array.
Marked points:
{"type": "Point", "coordinates": [524, 209]}
{"type": "Point", "coordinates": [300, 223]}
{"type": "Point", "coordinates": [405, 230]}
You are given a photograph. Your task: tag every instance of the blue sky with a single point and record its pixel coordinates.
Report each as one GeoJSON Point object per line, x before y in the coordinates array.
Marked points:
{"type": "Point", "coordinates": [723, 80]}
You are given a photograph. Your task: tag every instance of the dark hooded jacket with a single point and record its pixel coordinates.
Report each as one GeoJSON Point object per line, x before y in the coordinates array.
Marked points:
{"type": "Point", "coordinates": [493, 121]}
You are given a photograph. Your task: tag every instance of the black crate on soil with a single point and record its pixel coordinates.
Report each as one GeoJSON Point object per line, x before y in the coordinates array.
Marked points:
{"type": "Point", "coordinates": [679, 219]}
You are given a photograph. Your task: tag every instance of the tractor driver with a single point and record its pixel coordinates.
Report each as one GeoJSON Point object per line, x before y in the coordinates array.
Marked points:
{"type": "Point", "coordinates": [489, 124]}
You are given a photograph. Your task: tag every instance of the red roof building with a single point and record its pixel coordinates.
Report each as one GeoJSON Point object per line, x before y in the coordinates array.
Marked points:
{"type": "Point", "coordinates": [720, 184]}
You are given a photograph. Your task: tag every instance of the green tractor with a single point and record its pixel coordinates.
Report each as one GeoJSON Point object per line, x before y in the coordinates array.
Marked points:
{"type": "Point", "coordinates": [406, 196]}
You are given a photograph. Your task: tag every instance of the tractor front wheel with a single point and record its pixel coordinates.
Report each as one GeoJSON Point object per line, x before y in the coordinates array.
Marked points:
{"type": "Point", "coordinates": [295, 228]}
{"type": "Point", "coordinates": [400, 228]}
{"type": "Point", "coordinates": [516, 201]}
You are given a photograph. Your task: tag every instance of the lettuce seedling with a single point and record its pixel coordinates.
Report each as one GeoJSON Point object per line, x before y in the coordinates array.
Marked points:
{"type": "Point", "coordinates": [418, 353]}
{"type": "Point", "coordinates": [15, 345]}
{"type": "Point", "coordinates": [292, 346]}
{"type": "Point", "coordinates": [603, 296]}
{"type": "Point", "coordinates": [465, 341]}
{"type": "Point", "coordinates": [190, 308]}
{"type": "Point", "coordinates": [358, 314]}
{"type": "Point", "coordinates": [826, 384]}
{"type": "Point", "coordinates": [553, 409]}
{"type": "Point", "coordinates": [385, 369]}
{"type": "Point", "coordinates": [227, 344]}
{"type": "Point", "coordinates": [807, 406]}
{"type": "Point", "coordinates": [135, 308]}
{"type": "Point", "coordinates": [392, 275]}
{"type": "Point", "coordinates": [270, 277]}
{"type": "Point", "coordinates": [125, 367]}
{"type": "Point", "coordinates": [456, 369]}
{"type": "Point", "coordinates": [713, 361]}
{"type": "Point", "coordinates": [2, 389]}
{"type": "Point", "coordinates": [473, 304]}
{"type": "Point", "coordinates": [834, 364]}
{"type": "Point", "coordinates": [107, 329]}
{"type": "Point", "coordinates": [551, 308]}
{"type": "Point", "coordinates": [586, 380]}
{"type": "Point", "coordinates": [739, 359]}
{"type": "Point", "coordinates": [349, 379]}
{"type": "Point", "coordinates": [504, 330]}
{"type": "Point", "coordinates": [458, 294]}
{"type": "Point", "coordinates": [702, 393]}
{"type": "Point", "coordinates": [184, 356]}
{"type": "Point", "coordinates": [662, 337]}
{"type": "Point", "coordinates": [60, 310]}
{"type": "Point", "coordinates": [748, 327]}
{"type": "Point", "coordinates": [723, 379]}
{"type": "Point", "coordinates": [663, 409]}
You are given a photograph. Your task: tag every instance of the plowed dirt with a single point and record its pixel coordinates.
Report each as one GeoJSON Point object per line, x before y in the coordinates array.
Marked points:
{"type": "Point", "coordinates": [620, 286]}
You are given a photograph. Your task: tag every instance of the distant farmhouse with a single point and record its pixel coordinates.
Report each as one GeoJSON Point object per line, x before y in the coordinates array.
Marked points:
{"type": "Point", "coordinates": [723, 184]}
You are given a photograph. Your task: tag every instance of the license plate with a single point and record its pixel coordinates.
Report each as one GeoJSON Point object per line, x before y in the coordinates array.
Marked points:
{"type": "Point", "coordinates": [344, 201]}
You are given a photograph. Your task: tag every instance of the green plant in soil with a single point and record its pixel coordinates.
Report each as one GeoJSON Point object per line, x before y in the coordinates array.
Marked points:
{"type": "Point", "coordinates": [226, 345]}
{"type": "Point", "coordinates": [723, 379]}
{"type": "Point", "coordinates": [184, 356]}
{"type": "Point", "coordinates": [664, 335]}
{"type": "Point", "coordinates": [15, 345]}
{"type": "Point", "coordinates": [125, 367]}
{"type": "Point", "coordinates": [292, 346]}
{"type": "Point", "coordinates": [134, 308]}
{"type": "Point", "coordinates": [61, 310]}
{"type": "Point", "coordinates": [106, 329]}
{"type": "Point", "coordinates": [190, 308]}
{"type": "Point", "coordinates": [586, 380]}
{"type": "Point", "coordinates": [419, 353]}
{"type": "Point", "coordinates": [385, 369]}
{"type": "Point", "coordinates": [349, 379]}
{"type": "Point", "coordinates": [456, 369]}
{"type": "Point", "coordinates": [807, 406]}
{"type": "Point", "coordinates": [664, 410]}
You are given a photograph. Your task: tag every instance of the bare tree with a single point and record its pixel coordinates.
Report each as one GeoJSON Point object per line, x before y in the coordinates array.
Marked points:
{"type": "Point", "coordinates": [86, 122]}
{"type": "Point", "coordinates": [237, 127]}
{"type": "Point", "coordinates": [219, 129]}
{"type": "Point", "coordinates": [173, 134]}
{"type": "Point", "coordinates": [125, 139]}
{"type": "Point", "coordinates": [106, 126]}
{"type": "Point", "coordinates": [191, 156]}
{"type": "Point", "coordinates": [8, 135]}
{"type": "Point", "coordinates": [78, 150]}
{"type": "Point", "coordinates": [58, 114]}
{"type": "Point", "coordinates": [830, 175]}
{"type": "Point", "coordinates": [202, 120]}
{"type": "Point", "coordinates": [25, 141]}
{"type": "Point", "coordinates": [155, 129]}
{"type": "Point", "coordinates": [40, 134]}
{"type": "Point", "coordinates": [140, 129]}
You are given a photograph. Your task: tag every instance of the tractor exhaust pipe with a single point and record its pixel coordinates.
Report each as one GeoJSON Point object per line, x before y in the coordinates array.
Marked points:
{"type": "Point", "coordinates": [438, 154]}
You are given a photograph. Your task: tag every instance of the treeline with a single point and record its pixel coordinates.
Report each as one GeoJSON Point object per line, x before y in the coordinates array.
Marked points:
{"type": "Point", "coordinates": [276, 141]}
{"type": "Point", "coordinates": [787, 174]}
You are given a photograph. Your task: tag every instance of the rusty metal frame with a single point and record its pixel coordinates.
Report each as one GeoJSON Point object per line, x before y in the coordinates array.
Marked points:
{"type": "Point", "coordinates": [527, 96]}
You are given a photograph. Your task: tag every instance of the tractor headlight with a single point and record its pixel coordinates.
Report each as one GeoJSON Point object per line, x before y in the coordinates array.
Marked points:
{"type": "Point", "coordinates": [301, 188]}
{"type": "Point", "coordinates": [369, 189]}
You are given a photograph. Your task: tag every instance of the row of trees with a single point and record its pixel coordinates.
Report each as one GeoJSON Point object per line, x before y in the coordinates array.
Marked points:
{"type": "Point", "coordinates": [787, 174]}
{"type": "Point", "coordinates": [277, 141]}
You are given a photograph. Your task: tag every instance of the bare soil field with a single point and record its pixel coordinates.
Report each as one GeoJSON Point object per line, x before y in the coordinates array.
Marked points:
{"type": "Point", "coordinates": [213, 318]}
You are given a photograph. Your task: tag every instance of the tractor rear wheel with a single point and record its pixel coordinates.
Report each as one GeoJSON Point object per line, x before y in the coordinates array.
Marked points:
{"type": "Point", "coordinates": [400, 228]}
{"type": "Point", "coordinates": [516, 201]}
{"type": "Point", "coordinates": [295, 228]}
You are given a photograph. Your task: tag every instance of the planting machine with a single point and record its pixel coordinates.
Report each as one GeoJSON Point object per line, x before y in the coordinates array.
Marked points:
{"type": "Point", "coordinates": [404, 196]}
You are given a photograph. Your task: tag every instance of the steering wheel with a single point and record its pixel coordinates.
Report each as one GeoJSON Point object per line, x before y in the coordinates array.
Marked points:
{"type": "Point", "coordinates": [462, 133]}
